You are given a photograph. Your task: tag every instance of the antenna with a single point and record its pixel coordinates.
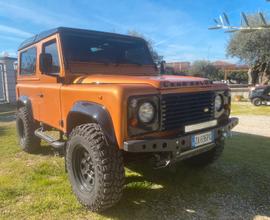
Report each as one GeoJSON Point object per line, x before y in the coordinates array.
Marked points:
{"type": "Point", "coordinates": [226, 19]}
{"type": "Point", "coordinates": [244, 19]}
{"type": "Point", "coordinates": [217, 26]}
{"type": "Point", "coordinates": [263, 20]}
{"type": "Point", "coordinates": [223, 22]}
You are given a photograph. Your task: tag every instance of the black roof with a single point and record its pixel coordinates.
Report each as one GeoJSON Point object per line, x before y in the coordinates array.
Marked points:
{"type": "Point", "coordinates": [44, 34]}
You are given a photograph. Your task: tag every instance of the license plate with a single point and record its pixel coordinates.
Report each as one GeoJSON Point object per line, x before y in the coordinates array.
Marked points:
{"type": "Point", "coordinates": [201, 139]}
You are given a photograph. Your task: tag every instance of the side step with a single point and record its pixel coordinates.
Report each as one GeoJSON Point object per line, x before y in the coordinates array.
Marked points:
{"type": "Point", "coordinates": [50, 140]}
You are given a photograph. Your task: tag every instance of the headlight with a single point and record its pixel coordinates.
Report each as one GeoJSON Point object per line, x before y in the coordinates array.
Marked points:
{"type": "Point", "coordinates": [146, 112]}
{"type": "Point", "coordinates": [143, 114]}
{"type": "Point", "coordinates": [218, 103]}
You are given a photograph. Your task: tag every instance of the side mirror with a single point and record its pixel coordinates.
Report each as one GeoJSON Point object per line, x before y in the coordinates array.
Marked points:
{"type": "Point", "coordinates": [45, 62]}
{"type": "Point", "coordinates": [162, 67]}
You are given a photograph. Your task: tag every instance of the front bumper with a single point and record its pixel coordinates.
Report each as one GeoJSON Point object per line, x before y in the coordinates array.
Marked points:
{"type": "Point", "coordinates": [180, 147]}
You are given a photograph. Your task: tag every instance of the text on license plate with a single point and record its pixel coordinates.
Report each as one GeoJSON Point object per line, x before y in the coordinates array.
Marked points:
{"type": "Point", "coordinates": [203, 138]}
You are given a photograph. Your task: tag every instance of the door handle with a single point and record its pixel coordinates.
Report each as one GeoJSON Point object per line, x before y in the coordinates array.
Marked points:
{"type": "Point", "coordinates": [40, 95]}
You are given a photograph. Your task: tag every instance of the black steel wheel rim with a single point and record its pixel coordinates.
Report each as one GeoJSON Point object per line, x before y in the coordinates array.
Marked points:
{"type": "Point", "coordinates": [258, 102]}
{"type": "Point", "coordinates": [83, 169]}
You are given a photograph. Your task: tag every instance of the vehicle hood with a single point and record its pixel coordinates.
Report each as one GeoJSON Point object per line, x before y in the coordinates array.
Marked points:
{"type": "Point", "coordinates": [159, 82]}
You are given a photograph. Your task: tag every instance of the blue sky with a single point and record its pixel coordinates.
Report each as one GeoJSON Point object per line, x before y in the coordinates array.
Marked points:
{"type": "Point", "coordinates": [177, 28]}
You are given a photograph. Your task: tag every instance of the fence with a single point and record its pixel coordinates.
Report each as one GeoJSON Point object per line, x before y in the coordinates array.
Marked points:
{"type": "Point", "coordinates": [7, 80]}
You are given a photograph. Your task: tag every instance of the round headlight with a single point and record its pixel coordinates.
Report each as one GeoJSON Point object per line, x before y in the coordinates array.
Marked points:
{"type": "Point", "coordinates": [218, 103]}
{"type": "Point", "coordinates": [146, 112]}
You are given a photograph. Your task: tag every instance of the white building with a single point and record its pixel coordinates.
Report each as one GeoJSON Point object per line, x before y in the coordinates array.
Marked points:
{"type": "Point", "coordinates": [7, 80]}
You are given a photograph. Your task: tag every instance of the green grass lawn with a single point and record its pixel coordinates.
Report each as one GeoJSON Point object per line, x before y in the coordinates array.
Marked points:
{"type": "Point", "coordinates": [235, 187]}
{"type": "Point", "coordinates": [246, 108]}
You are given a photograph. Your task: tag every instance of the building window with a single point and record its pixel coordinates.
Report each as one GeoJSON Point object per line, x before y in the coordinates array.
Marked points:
{"type": "Point", "coordinates": [51, 48]}
{"type": "Point", "coordinates": [28, 61]}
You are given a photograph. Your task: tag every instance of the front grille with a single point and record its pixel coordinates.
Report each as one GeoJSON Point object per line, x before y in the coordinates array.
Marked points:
{"type": "Point", "coordinates": [178, 110]}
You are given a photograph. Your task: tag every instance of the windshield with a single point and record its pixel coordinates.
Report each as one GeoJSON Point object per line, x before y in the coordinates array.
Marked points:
{"type": "Point", "coordinates": [105, 49]}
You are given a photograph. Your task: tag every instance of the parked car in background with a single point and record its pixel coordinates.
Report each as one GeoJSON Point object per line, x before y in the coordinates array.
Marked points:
{"type": "Point", "coordinates": [260, 95]}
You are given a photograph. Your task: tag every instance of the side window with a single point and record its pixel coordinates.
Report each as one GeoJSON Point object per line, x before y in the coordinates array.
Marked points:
{"type": "Point", "coordinates": [51, 48]}
{"type": "Point", "coordinates": [28, 61]}
{"type": "Point", "coordinates": [268, 91]}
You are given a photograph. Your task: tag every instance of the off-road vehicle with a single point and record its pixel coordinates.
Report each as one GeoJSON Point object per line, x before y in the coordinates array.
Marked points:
{"type": "Point", "coordinates": [260, 95]}
{"type": "Point", "coordinates": [105, 96]}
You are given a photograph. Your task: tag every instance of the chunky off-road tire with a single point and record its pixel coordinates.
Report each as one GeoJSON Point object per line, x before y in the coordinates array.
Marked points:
{"type": "Point", "coordinates": [208, 157]}
{"type": "Point", "coordinates": [26, 126]}
{"type": "Point", "coordinates": [257, 101]}
{"type": "Point", "coordinates": [95, 170]}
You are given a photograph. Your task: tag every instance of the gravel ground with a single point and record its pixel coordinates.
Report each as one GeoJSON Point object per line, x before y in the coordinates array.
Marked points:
{"type": "Point", "coordinates": [252, 124]}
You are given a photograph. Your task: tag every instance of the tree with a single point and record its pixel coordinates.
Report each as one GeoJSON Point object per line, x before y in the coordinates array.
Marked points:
{"type": "Point", "coordinates": [250, 47]}
{"type": "Point", "coordinates": [253, 48]}
{"type": "Point", "coordinates": [203, 68]}
{"type": "Point", "coordinates": [156, 57]}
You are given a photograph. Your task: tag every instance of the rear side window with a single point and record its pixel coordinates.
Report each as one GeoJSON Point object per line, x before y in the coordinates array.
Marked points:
{"type": "Point", "coordinates": [28, 61]}
{"type": "Point", "coordinates": [267, 91]}
{"type": "Point", "coordinates": [51, 48]}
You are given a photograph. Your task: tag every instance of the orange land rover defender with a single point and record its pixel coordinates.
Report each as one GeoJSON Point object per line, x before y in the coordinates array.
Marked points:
{"type": "Point", "coordinates": [105, 96]}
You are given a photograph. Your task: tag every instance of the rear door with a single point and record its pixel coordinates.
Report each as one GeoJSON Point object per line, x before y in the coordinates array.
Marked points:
{"type": "Point", "coordinates": [27, 79]}
{"type": "Point", "coordinates": [2, 84]}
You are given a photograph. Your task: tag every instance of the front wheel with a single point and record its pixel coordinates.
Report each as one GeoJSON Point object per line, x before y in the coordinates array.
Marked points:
{"type": "Point", "coordinates": [208, 157]}
{"type": "Point", "coordinates": [257, 101]}
{"type": "Point", "coordinates": [95, 170]}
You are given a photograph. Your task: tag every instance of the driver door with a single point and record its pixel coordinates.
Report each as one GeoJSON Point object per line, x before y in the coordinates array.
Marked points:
{"type": "Point", "coordinates": [50, 107]}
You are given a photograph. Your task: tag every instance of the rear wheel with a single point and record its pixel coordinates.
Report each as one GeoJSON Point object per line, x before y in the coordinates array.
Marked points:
{"type": "Point", "coordinates": [208, 157]}
{"type": "Point", "coordinates": [95, 170]}
{"type": "Point", "coordinates": [25, 130]}
{"type": "Point", "coordinates": [257, 101]}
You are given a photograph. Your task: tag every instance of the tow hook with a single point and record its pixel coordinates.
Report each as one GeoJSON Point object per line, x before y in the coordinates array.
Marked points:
{"type": "Point", "coordinates": [161, 161]}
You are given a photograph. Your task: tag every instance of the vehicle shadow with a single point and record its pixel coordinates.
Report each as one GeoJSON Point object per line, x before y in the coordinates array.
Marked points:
{"type": "Point", "coordinates": [235, 187]}
{"type": "Point", "coordinates": [47, 150]}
